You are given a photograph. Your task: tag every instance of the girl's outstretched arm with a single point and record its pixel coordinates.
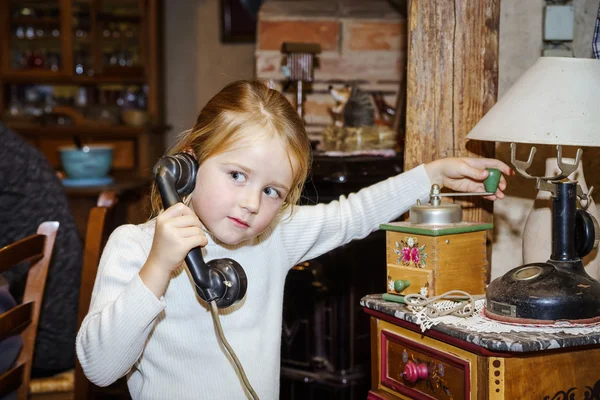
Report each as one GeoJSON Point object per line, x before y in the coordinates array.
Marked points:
{"type": "Point", "coordinates": [315, 230]}
{"type": "Point", "coordinates": [122, 311]}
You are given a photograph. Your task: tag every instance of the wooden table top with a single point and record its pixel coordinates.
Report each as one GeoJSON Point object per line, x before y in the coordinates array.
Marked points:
{"type": "Point", "coordinates": [515, 342]}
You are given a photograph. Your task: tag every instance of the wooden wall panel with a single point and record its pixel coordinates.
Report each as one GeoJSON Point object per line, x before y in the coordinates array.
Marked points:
{"type": "Point", "coordinates": [452, 80]}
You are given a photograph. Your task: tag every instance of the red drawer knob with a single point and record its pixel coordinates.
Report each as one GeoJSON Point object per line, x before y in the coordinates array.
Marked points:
{"type": "Point", "coordinates": [413, 372]}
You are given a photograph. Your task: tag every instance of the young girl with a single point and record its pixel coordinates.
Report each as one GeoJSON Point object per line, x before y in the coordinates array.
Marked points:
{"type": "Point", "coordinates": [145, 320]}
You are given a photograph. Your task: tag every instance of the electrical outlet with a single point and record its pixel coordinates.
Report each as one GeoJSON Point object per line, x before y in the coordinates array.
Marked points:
{"type": "Point", "coordinates": [559, 21]}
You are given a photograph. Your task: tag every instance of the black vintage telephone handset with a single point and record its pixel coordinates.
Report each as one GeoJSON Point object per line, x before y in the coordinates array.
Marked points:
{"type": "Point", "coordinates": [221, 282]}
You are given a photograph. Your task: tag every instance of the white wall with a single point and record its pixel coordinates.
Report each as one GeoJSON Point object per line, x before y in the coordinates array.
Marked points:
{"type": "Point", "coordinates": [197, 64]}
{"type": "Point", "coordinates": [180, 64]}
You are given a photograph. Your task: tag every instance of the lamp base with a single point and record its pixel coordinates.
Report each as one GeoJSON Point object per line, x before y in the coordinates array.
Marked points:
{"type": "Point", "coordinates": [544, 293]}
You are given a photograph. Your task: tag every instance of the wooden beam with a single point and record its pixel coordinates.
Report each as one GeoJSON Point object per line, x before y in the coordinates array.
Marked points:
{"type": "Point", "coordinates": [452, 81]}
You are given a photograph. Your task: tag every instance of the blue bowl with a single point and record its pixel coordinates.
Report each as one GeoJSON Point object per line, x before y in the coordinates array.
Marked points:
{"type": "Point", "coordinates": [93, 161]}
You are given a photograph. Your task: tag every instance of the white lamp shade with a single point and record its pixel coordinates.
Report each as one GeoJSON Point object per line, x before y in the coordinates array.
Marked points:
{"type": "Point", "coordinates": [557, 101]}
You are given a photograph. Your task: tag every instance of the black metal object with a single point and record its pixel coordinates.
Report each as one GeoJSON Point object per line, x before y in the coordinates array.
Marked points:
{"type": "Point", "coordinates": [585, 230]}
{"type": "Point", "coordinates": [564, 204]}
{"type": "Point", "coordinates": [559, 289]}
{"type": "Point", "coordinates": [325, 347]}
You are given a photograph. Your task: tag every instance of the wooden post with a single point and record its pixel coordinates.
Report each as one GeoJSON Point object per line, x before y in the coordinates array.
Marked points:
{"type": "Point", "coordinates": [452, 81]}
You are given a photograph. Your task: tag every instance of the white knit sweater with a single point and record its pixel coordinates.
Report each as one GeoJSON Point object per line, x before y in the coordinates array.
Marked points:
{"type": "Point", "coordinates": [168, 347]}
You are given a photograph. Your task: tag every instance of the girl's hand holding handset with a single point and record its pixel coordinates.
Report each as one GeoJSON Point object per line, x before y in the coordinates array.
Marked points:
{"type": "Point", "coordinates": [178, 230]}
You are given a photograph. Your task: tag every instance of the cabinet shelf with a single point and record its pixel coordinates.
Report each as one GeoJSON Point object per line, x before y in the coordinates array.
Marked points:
{"type": "Point", "coordinates": [138, 23]}
{"type": "Point", "coordinates": [34, 21]}
{"type": "Point", "coordinates": [37, 40]}
{"type": "Point", "coordinates": [32, 76]}
{"type": "Point", "coordinates": [106, 17]}
{"type": "Point", "coordinates": [108, 131]}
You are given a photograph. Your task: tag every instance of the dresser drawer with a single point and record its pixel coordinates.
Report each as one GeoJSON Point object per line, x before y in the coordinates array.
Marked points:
{"type": "Point", "coordinates": [417, 277]}
{"type": "Point", "coordinates": [415, 370]}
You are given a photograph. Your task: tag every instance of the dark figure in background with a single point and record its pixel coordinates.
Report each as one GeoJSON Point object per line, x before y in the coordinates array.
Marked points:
{"type": "Point", "coordinates": [31, 193]}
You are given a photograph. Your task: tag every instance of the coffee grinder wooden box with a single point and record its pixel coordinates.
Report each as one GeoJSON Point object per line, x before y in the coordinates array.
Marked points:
{"type": "Point", "coordinates": [436, 250]}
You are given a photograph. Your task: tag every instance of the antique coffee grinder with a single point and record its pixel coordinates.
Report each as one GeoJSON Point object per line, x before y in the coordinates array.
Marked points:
{"type": "Point", "coordinates": [435, 250]}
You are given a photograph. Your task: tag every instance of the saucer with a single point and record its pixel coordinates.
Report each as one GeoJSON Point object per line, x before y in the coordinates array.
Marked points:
{"type": "Point", "coordinates": [87, 182]}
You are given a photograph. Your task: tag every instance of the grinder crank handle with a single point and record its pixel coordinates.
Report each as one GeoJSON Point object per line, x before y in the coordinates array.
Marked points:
{"type": "Point", "coordinates": [490, 184]}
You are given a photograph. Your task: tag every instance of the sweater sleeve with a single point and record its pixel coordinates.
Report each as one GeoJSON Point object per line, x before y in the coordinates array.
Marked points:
{"type": "Point", "coordinates": [122, 311]}
{"type": "Point", "coordinates": [314, 230]}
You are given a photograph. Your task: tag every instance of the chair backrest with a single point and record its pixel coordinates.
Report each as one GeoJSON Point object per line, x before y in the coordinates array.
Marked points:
{"type": "Point", "coordinates": [23, 318]}
{"type": "Point", "coordinates": [95, 239]}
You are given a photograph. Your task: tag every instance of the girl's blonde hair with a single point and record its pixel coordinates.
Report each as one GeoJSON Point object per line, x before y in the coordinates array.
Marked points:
{"type": "Point", "coordinates": [229, 113]}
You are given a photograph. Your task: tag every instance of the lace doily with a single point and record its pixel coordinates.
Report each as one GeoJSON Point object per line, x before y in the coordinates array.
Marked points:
{"type": "Point", "coordinates": [478, 322]}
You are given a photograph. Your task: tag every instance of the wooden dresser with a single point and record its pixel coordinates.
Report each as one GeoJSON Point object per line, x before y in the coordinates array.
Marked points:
{"type": "Point", "coordinates": [449, 362]}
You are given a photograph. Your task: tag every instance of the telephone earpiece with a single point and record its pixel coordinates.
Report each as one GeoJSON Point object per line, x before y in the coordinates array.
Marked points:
{"type": "Point", "coordinates": [222, 280]}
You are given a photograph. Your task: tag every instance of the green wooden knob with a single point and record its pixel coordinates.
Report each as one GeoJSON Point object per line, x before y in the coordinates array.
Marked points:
{"type": "Point", "coordinates": [492, 181]}
{"type": "Point", "coordinates": [401, 284]}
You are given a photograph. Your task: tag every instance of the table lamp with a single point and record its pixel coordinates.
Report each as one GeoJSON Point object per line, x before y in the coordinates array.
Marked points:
{"type": "Point", "coordinates": [556, 102]}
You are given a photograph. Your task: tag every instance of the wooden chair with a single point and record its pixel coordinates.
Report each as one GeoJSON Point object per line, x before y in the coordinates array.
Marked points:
{"type": "Point", "coordinates": [95, 239]}
{"type": "Point", "coordinates": [73, 383]}
{"type": "Point", "coordinates": [23, 319]}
